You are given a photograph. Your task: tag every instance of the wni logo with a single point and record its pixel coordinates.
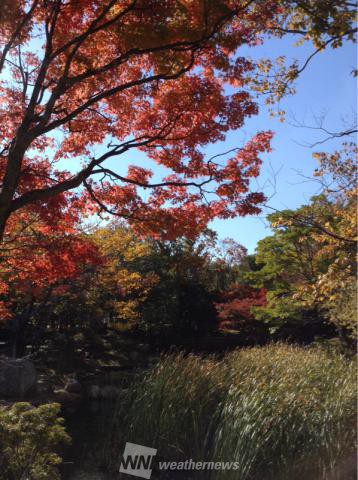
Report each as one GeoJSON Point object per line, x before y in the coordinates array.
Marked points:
{"type": "Point", "coordinates": [137, 460]}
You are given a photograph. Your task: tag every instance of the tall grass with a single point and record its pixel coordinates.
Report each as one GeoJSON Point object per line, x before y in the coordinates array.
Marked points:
{"type": "Point", "coordinates": [278, 411]}
{"type": "Point", "coordinates": [287, 412]}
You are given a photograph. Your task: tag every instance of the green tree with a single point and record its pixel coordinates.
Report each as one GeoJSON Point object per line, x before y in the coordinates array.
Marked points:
{"type": "Point", "coordinates": [182, 302]}
{"type": "Point", "coordinates": [309, 263]}
{"type": "Point", "coordinates": [289, 262]}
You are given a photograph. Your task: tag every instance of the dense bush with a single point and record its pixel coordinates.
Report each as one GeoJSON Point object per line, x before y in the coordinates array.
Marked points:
{"type": "Point", "coordinates": [279, 411]}
{"type": "Point", "coordinates": [29, 442]}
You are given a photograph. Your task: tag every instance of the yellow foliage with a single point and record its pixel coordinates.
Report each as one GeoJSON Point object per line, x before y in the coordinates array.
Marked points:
{"type": "Point", "coordinates": [121, 274]}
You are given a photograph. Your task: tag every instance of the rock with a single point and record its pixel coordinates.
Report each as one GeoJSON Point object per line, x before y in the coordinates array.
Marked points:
{"type": "Point", "coordinates": [73, 386]}
{"type": "Point", "coordinates": [109, 393]}
{"type": "Point", "coordinates": [64, 397]}
{"type": "Point", "coordinates": [18, 377]}
{"type": "Point", "coordinates": [134, 356]}
{"type": "Point", "coordinates": [93, 391]}
{"type": "Point", "coordinates": [143, 347]}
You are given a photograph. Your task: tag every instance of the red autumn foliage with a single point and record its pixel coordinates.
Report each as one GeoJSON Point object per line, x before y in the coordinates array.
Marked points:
{"type": "Point", "coordinates": [44, 249]}
{"type": "Point", "coordinates": [128, 74]}
{"type": "Point", "coordinates": [235, 310]}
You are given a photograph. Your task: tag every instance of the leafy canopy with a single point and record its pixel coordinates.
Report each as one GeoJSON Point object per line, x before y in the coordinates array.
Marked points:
{"type": "Point", "coordinates": [84, 83]}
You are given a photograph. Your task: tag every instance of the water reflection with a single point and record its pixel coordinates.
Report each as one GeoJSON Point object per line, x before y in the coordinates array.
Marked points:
{"type": "Point", "coordinates": [91, 430]}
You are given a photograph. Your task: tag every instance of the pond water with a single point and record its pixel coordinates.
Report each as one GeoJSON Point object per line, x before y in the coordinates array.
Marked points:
{"type": "Point", "coordinates": [91, 430]}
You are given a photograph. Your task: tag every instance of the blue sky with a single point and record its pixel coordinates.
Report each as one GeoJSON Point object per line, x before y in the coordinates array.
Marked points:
{"type": "Point", "coordinates": [325, 87]}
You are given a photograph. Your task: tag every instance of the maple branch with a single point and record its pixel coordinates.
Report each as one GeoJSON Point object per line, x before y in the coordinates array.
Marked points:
{"type": "Point", "coordinates": [104, 207]}
{"type": "Point", "coordinates": [75, 181]}
{"type": "Point", "coordinates": [62, 85]}
{"type": "Point", "coordinates": [40, 129]}
{"type": "Point", "coordinates": [38, 89]}
{"type": "Point", "coordinates": [65, 82]}
{"type": "Point", "coordinates": [16, 33]}
{"type": "Point", "coordinates": [81, 177]}
{"type": "Point", "coordinates": [179, 46]}
{"type": "Point", "coordinates": [35, 125]}
{"type": "Point", "coordinates": [24, 76]}
{"type": "Point", "coordinates": [78, 179]}
{"type": "Point", "coordinates": [94, 28]}
{"type": "Point", "coordinates": [152, 185]}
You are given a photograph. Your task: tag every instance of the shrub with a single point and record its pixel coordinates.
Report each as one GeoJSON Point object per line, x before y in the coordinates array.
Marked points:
{"type": "Point", "coordinates": [278, 411]}
{"type": "Point", "coordinates": [29, 440]}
